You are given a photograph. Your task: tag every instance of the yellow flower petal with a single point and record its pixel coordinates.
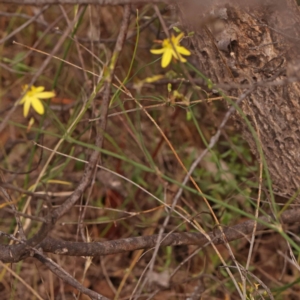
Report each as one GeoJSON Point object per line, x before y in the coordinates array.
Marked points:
{"type": "Point", "coordinates": [23, 100]}
{"type": "Point", "coordinates": [175, 54]}
{"type": "Point", "coordinates": [157, 51]}
{"type": "Point", "coordinates": [166, 44]}
{"type": "Point", "coordinates": [38, 89]}
{"type": "Point", "coordinates": [171, 48]}
{"type": "Point", "coordinates": [183, 50]}
{"type": "Point", "coordinates": [38, 106]}
{"type": "Point", "coordinates": [182, 59]}
{"type": "Point", "coordinates": [178, 56]}
{"type": "Point", "coordinates": [33, 98]}
{"type": "Point", "coordinates": [26, 108]}
{"type": "Point", "coordinates": [166, 58]}
{"type": "Point", "coordinates": [153, 78]}
{"type": "Point", "coordinates": [176, 40]}
{"type": "Point", "coordinates": [44, 95]}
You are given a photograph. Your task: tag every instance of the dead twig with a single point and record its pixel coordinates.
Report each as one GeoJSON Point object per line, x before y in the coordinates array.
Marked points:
{"type": "Point", "coordinates": [232, 233]}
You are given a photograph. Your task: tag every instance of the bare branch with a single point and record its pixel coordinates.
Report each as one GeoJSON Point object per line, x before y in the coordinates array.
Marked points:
{"type": "Point", "coordinates": [66, 277]}
{"type": "Point", "coordinates": [174, 239]}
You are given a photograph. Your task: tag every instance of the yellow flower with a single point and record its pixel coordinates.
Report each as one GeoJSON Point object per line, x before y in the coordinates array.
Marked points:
{"type": "Point", "coordinates": [167, 50]}
{"type": "Point", "coordinates": [32, 97]}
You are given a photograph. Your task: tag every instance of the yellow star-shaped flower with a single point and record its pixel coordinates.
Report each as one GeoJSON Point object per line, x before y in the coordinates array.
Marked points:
{"type": "Point", "coordinates": [32, 97]}
{"type": "Point", "coordinates": [167, 50]}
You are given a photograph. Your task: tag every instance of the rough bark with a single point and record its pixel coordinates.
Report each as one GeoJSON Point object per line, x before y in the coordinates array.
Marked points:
{"type": "Point", "coordinates": [242, 45]}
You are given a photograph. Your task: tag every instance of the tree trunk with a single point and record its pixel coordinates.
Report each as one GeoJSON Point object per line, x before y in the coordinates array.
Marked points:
{"type": "Point", "coordinates": [257, 45]}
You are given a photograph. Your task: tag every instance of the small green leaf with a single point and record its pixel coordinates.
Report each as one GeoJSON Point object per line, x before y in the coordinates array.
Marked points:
{"type": "Point", "coordinates": [176, 29]}
{"type": "Point", "coordinates": [188, 116]}
{"type": "Point", "coordinates": [209, 84]}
